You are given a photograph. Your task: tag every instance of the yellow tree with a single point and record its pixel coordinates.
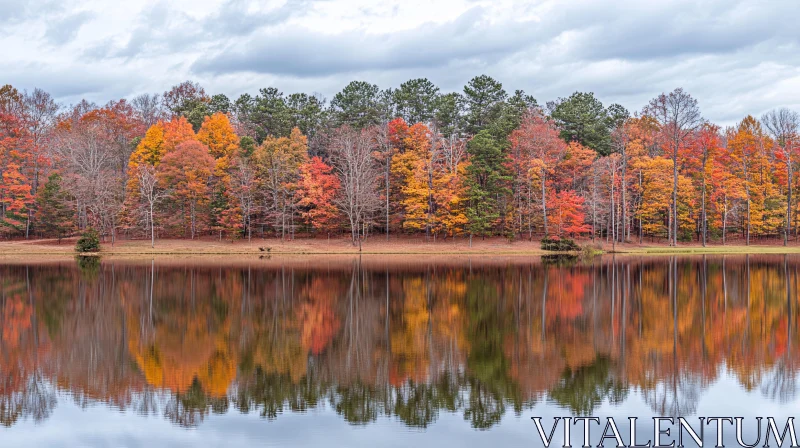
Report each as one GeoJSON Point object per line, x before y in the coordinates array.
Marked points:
{"type": "Point", "coordinates": [159, 139]}
{"type": "Point", "coordinates": [218, 135]}
{"type": "Point", "coordinates": [278, 162]}
{"type": "Point", "coordinates": [748, 149]}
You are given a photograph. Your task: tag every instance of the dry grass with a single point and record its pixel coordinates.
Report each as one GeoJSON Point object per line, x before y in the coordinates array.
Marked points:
{"type": "Point", "coordinates": [208, 246]}
{"type": "Point", "coordinates": [375, 245]}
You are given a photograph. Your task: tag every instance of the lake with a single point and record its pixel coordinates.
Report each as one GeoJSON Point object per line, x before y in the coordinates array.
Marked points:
{"type": "Point", "coordinates": [445, 351]}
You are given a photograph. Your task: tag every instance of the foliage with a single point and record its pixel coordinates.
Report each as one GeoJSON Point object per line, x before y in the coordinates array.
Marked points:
{"type": "Point", "coordinates": [89, 241]}
{"type": "Point", "coordinates": [559, 244]}
{"type": "Point", "coordinates": [487, 181]}
{"type": "Point", "coordinates": [484, 162]}
{"type": "Point", "coordinates": [53, 211]}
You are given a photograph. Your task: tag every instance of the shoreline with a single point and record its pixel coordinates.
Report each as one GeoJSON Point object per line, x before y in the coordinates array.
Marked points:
{"type": "Point", "coordinates": [397, 246]}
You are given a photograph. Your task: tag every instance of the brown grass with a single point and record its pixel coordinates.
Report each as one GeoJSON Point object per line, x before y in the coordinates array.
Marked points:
{"type": "Point", "coordinates": [273, 246]}
{"type": "Point", "coordinates": [403, 245]}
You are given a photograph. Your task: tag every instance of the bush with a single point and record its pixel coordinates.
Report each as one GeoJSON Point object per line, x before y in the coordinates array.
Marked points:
{"type": "Point", "coordinates": [590, 250]}
{"type": "Point", "coordinates": [88, 242]}
{"type": "Point", "coordinates": [559, 245]}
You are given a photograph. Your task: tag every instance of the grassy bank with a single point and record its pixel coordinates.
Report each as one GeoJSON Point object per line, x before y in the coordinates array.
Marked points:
{"type": "Point", "coordinates": [375, 245]}
{"type": "Point", "coordinates": [308, 246]}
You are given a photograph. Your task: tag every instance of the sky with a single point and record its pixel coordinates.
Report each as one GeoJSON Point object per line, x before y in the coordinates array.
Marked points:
{"type": "Point", "coordinates": [737, 57]}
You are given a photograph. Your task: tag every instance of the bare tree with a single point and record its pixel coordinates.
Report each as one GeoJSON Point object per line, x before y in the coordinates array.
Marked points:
{"type": "Point", "coordinates": [244, 183]}
{"type": "Point", "coordinates": [679, 116]}
{"type": "Point", "coordinates": [148, 108]}
{"type": "Point", "coordinates": [151, 194]}
{"type": "Point", "coordinates": [783, 124]}
{"type": "Point", "coordinates": [385, 151]}
{"type": "Point", "coordinates": [87, 158]}
{"type": "Point", "coordinates": [40, 117]}
{"type": "Point", "coordinates": [354, 163]}
{"type": "Point", "coordinates": [39, 111]}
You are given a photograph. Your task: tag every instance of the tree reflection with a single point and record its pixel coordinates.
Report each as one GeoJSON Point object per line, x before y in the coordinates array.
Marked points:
{"type": "Point", "coordinates": [408, 341]}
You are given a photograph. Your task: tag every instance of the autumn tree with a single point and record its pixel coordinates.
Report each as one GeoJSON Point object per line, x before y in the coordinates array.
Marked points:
{"type": "Point", "coordinates": [186, 172]}
{"type": "Point", "coordinates": [317, 191]}
{"type": "Point", "coordinates": [538, 150]}
{"type": "Point", "coordinates": [218, 134]}
{"type": "Point", "coordinates": [278, 162]}
{"type": "Point", "coordinates": [679, 116]}
{"type": "Point", "coordinates": [15, 186]}
{"type": "Point", "coordinates": [567, 213]}
{"type": "Point", "coordinates": [783, 125]}
{"type": "Point", "coordinates": [707, 145]}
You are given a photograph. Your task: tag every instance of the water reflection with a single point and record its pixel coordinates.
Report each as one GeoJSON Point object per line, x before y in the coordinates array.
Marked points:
{"type": "Point", "coordinates": [409, 340]}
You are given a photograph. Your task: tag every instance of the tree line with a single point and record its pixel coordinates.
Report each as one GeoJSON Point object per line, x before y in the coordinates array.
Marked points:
{"type": "Point", "coordinates": [410, 160]}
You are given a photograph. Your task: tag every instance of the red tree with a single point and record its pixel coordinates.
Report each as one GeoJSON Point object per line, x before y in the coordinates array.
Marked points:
{"type": "Point", "coordinates": [317, 188]}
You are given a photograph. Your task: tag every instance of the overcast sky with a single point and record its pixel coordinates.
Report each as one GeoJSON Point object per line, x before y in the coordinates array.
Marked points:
{"type": "Point", "coordinates": [735, 56]}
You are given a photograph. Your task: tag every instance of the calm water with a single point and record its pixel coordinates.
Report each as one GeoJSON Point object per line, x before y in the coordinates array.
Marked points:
{"type": "Point", "coordinates": [386, 352]}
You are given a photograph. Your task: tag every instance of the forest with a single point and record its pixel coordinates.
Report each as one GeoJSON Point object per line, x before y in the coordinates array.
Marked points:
{"type": "Point", "coordinates": [411, 160]}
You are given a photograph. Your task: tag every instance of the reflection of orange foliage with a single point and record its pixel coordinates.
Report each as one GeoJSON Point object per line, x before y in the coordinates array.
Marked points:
{"type": "Point", "coordinates": [409, 340]}
{"type": "Point", "coordinates": [181, 345]}
{"type": "Point", "coordinates": [176, 370]}
{"type": "Point", "coordinates": [566, 293]}
{"type": "Point", "coordinates": [319, 323]}
{"type": "Point", "coordinates": [17, 319]}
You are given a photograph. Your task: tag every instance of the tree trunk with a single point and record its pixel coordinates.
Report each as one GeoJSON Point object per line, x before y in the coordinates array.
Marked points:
{"type": "Point", "coordinates": [675, 195]}
{"type": "Point", "coordinates": [624, 223]}
{"type": "Point", "coordinates": [788, 202]}
{"type": "Point", "coordinates": [544, 202]}
{"type": "Point", "coordinates": [704, 218]}
{"type": "Point", "coordinates": [152, 229]}
{"type": "Point", "coordinates": [724, 219]}
{"type": "Point", "coordinates": [613, 213]}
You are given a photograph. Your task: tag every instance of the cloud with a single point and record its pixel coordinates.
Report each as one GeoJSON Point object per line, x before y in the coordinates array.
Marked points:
{"type": "Point", "coordinates": [736, 56]}
{"type": "Point", "coordinates": [64, 30]}
{"type": "Point", "coordinates": [310, 53]}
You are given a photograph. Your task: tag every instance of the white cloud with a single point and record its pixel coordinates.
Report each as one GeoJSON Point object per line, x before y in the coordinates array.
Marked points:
{"type": "Point", "coordinates": [736, 57]}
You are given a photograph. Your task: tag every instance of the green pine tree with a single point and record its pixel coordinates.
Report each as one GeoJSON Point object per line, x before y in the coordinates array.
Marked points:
{"type": "Point", "coordinates": [487, 183]}
{"type": "Point", "coordinates": [54, 217]}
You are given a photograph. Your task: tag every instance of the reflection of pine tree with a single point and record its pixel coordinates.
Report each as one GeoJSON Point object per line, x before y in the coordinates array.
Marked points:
{"type": "Point", "coordinates": [273, 393]}
{"type": "Point", "coordinates": [583, 389]}
{"type": "Point", "coordinates": [489, 382]}
{"type": "Point", "coordinates": [358, 403]}
{"type": "Point", "coordinates": [190, 408]}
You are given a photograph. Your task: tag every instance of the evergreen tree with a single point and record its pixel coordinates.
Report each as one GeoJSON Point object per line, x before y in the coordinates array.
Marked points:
{"type": "Point", "coordinates": [485, 99]}
{"type": "Point", "coordinates": [54, 215]}
{"type": "Point", "coordinates": [487, 183]}
{"type": "Point", "coordinates": [416, 100]}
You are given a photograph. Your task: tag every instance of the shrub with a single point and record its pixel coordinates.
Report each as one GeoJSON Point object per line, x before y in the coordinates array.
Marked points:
{"type": "Point", "coordinates": [590, 250]}
{"type": "Point", "coordinates": [88, 242]}
{"type": "Point", "coordinates": [559, 245]}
